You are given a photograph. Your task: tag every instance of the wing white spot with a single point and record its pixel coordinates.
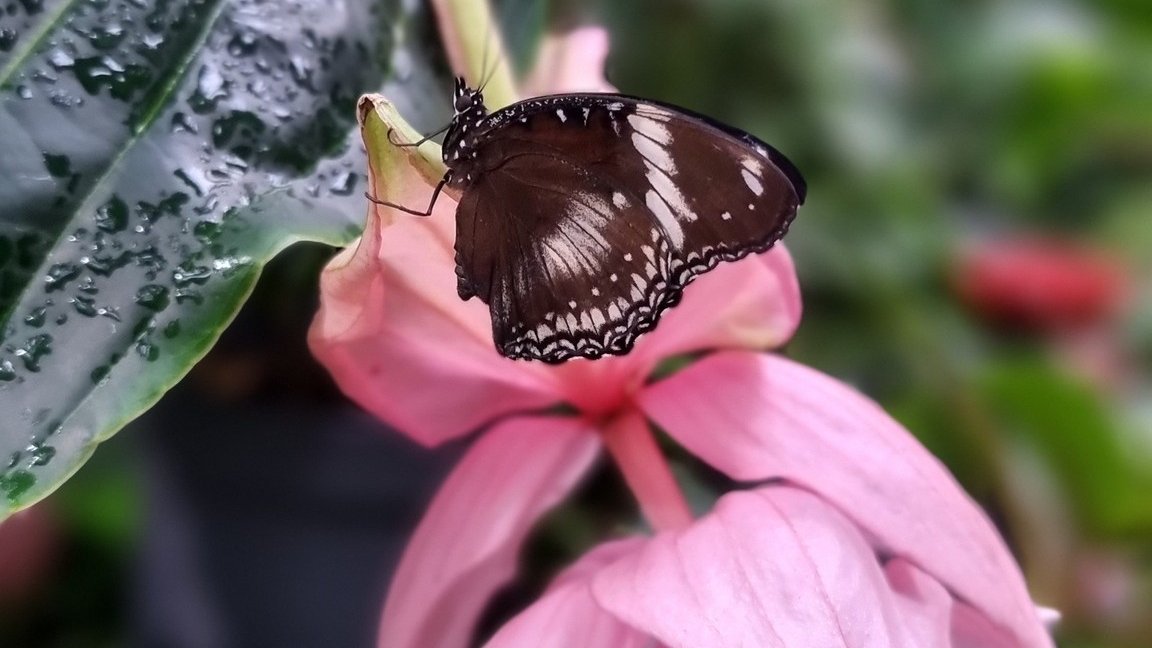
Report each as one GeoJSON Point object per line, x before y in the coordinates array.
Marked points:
{"type": "Point", "coordinates": [726, 216]}
{"type": "Point", "coordinates": [582, 228]}
{"type": "Point", "coordinates": [558, 257]}
{"type": "Point", "coordinates": [597, 317]}
{"type": "Point", "coordinates": [614, 106]}
{"type": "Point", "coordinates": [651, 128]}
{"type": "Point", "coordinates": [752, 206]}
{"type": "Point", "coordinates": [628, 256]}
{"type": "Point", "coordinates": [619, 200]}
{"type": "Point", "coordinates": [660, 209]}
{"type": "Point", "coordinates": [595, 292]}
{"type": "Point", "coordinates": [585, 111]}
{"type": "Point", "coordinates": [572, 304]}
{"type": "Point", "coordinates": [561, 115]}
{"type": "Point", "coordinates": [652, 112]}
{"type": "Point", "coordinates": [613, 277]}
{"type": "Point", "coordinates": [753, 182]}
{"type": "Point", "coordinates": [654, 154]}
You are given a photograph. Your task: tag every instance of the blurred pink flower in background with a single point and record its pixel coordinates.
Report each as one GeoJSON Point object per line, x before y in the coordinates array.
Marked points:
{"type": "Point", "coordinates": [1069, 294]}
{"type": "Point", "coordinates": [852, 533]}
{"type": "Point", "coordinates": [1042, 285]}
{"type": "Point", "coordinates": [29, 550]}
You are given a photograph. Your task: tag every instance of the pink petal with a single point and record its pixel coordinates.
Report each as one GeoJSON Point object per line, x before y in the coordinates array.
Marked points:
{"type": "Point", "coordinates": [767, 568]}
{"type": "Point", "coordinates": [568, 616]}
{"type": "Point", "coordinates": [750, 304]}
{"type": "Point", "coordinates": [570, 62]}
{"type": "Point", "coordinates": [756, 417]}
{"type": "Point", "coordinates": [946, 621]}
{"type": "Point", "coordinates": [390, 325]}
{"type": "Point", "coordinates": [466, 545]}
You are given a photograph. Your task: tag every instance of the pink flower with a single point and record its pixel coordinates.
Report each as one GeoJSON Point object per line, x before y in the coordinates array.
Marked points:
{"type": "Point", "coordinates": [854, 536]}
{"type": "Point", "coordinates": [863, 539]}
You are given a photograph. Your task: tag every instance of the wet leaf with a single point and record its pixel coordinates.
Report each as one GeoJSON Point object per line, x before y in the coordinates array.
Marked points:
{"type": "Point", "coordinates": [155, 155]}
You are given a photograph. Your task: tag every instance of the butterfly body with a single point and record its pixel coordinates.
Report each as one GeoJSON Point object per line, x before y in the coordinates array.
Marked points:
{"type": "Point", "coordinates": [582, 217]}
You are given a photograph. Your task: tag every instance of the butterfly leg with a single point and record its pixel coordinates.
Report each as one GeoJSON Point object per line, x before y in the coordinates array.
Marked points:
{"type": "Point", "coordinates": [426, 212]}
{"type": "Point", "coordinates": [416, 143]}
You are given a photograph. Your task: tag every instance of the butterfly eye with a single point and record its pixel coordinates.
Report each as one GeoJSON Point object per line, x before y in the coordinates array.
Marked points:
{"type": "Point", "coordinates": [464, 102]}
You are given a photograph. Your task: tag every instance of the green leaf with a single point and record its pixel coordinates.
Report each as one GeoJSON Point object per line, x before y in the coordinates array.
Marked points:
{"type": "Point", "coordinates": [156, 155]}
{"type": "Point", "coordinates": [1071, 427]}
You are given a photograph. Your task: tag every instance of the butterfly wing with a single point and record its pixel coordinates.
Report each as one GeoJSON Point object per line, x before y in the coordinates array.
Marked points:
{"type": "Point", "coordinates": [586, 215]}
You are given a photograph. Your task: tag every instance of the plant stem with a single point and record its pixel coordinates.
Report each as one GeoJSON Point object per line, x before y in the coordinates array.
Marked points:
{"type": "Point", "coordinates": [630, 442]}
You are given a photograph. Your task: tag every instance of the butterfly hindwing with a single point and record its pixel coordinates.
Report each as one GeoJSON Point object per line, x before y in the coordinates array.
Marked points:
{"type": "Point", "coordinates": [584, 216]}
{"type": "Point", "coordinates": [565, 273]}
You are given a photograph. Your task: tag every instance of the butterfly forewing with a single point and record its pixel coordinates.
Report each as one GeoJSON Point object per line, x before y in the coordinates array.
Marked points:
{"type": "Point", "coordinates": [716, 196]}
{"type": "Point", "coordinates": [584, 216]}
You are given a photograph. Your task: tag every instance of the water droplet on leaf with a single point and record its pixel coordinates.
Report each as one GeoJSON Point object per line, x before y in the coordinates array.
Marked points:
{"type": "Point", "coordinates": [35, 348]}
{"type": "Point", "coordinates": [59, 166]}
{"type": "Point", "coordinates": [8, 38]}
{"type": "Point", "coordinates": [112, 216]}
{"type": "Point", "coordinates": [60, 59]}
{"type": "Point", "coordinates": [41, 455]}
{"type": "Point", "coordinates": [106, 37]}
{"type": "Point", "coordinates": [36, 317]}
{"type": "Point", "coordinates": [153, 296]}
{"type": "Point", "coordinates": [59, 275]}
{"type": "Point", "coordinates": [210, 88]}
{"type": "Point", "coordinates": [84, 305]}
{"type": "Point", "coordinates": [343, 184]}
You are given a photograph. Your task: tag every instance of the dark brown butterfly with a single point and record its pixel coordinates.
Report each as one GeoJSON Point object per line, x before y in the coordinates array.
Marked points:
{"type": "Point", "coordinates": [582, 217]}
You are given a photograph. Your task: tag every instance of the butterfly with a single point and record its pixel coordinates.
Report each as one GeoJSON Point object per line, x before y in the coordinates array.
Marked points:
{"type": "Point", "coordinates": [582, 217]}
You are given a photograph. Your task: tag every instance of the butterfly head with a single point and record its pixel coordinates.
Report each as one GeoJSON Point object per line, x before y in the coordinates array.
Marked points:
{"type": "Point", "coordinates": [468, 104]}
{"type": "Point", "coordinates": [465, 99]}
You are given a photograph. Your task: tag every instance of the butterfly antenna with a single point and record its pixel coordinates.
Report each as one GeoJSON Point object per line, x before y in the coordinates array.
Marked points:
{"type": "Point", "coordinates": [488, 76]}
{"type": "Point", "coordinates": [486, 73]}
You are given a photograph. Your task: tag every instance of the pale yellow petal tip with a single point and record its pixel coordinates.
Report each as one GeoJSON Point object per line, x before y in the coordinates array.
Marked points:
{"type": "Point", "coordinates": [366, 104]}
{"type": "Point", "coordinates": [384, 131]}
{"type": "Point", "coordinates": [379, 106]}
